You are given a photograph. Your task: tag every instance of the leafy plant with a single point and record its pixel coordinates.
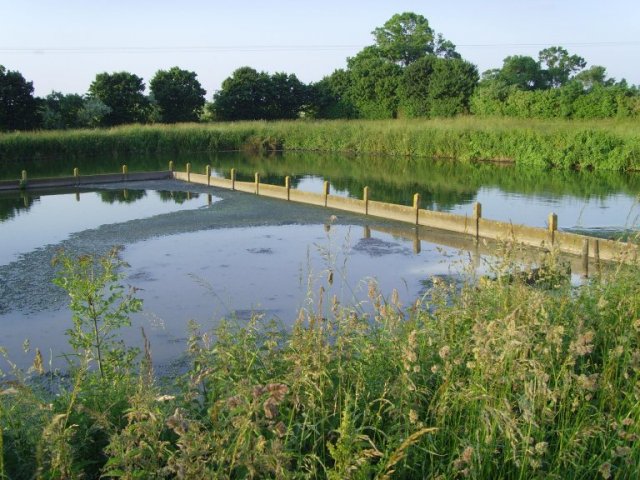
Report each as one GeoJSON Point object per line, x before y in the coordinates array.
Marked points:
{"type": "Point", "coordinates": [100, 306]}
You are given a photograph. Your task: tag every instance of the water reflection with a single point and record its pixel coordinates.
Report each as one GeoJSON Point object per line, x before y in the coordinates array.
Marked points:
{"type": "Point", "coordinates": [605, 203]}
{"type": "Point", "coordinates": [29, 220]}
{"type": "Point", "coordinates": [13, 203]}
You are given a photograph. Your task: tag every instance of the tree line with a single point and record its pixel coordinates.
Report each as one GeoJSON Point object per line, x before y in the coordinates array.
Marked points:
{"type": "Point", "coordinates": [410, 71]}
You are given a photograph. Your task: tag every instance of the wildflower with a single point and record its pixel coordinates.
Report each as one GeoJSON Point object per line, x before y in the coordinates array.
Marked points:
{"type": "Point", "coordinates": [413, 416]}
{"type": "Point", "coordinates": [177, 422]}
{"type": "Point", "coordinates": [444, 352]}
{"type": "Point", "coordinates": [277, 391]}
{"type": "Point", "coordinates": [541, 448]}
{"type": "Point", "coordinates": [165, 398]}
{"type": "Point", "coordinates": [257, 391]}
{"type": "Point", "coordinates": [281, 429]}
{"type": "Point", "coordinates": [605, 470]}
{"type": "Point", "coordinates": [583, 344]}
{"type": "Point", "coordinates": [589, 383]}
{"type": "Point", "coordinates": [235, 401]}
{"type": "Point", "coordinates": [621, 452]}
{"type": "Point", "coordinates": [394, 298]}
{"type": "Point", "coordinates": [270, 408]}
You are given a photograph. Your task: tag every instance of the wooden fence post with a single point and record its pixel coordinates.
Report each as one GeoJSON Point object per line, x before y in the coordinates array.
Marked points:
{"type": "Point", "coordinates": [207, 172]}
{"type": "Point", "coordinates": [233, 179]}
{"type": "Point", "coordinates": [553, 226]}
{"type": "Point", "coordinates": [477, 215]}
{"type": "Point", "coordinates": [585, 258]}
{"type": "Point", "coordinates": [189, 172]}
{"type": "Point", "coordinates": [257, 183]}
{"type": "Point", "coordinates": [365, 197]}
{"type": "Point", "coordinates": [416, 205]}
{"type": "Point", "coordinates": [325, 192]}
{"type": "Point", "coordinates": [287, 185]}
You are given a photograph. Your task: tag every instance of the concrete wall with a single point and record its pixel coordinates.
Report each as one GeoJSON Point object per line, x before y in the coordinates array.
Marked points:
{"type": "Point", "coordinates": [473, 226]}
{"type": "Point", "coordinates": [81, 180]}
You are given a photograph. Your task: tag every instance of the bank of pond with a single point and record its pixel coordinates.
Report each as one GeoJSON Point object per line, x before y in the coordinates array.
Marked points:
{"type": "Point", "coordinates": [575, 144]}
{"type": "Point", "coordinates": [509, 379]}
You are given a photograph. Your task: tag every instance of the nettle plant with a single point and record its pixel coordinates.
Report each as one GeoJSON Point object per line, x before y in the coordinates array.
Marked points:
{"type": "Point", "coordinates": [100, 306]}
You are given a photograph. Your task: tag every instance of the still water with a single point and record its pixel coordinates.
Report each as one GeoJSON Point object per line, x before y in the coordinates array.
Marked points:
{"type": "Point", "coordinates": [201, 256]}
{"type": "Point", "coordinates": [206, 254]}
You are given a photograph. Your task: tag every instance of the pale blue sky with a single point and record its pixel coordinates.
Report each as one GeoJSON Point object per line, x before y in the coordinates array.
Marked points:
{"type": "Point", "coordinates": [61, 45]}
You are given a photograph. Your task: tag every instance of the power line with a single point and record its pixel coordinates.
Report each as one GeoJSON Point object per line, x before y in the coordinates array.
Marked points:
{"type": "Point", "coordinates": [274, 48]}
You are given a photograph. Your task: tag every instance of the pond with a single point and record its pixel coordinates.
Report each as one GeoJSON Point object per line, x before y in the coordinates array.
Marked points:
{"type": "Point", "coordinates": [603, 204]}
{"type": "Point", "coordinates": [202, 254]}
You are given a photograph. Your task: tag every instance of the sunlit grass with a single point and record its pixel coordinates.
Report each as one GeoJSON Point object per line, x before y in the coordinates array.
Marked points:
{"type": "Point", "coordinates": [596, 144]}
{"type": "Point", "coordinates": [497, 379]}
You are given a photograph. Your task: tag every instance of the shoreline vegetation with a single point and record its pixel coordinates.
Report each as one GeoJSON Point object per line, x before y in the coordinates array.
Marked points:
{"type": "Point", "coordinates": [497, 379]}
{"type": "Point", "coordinates": [564, 144]}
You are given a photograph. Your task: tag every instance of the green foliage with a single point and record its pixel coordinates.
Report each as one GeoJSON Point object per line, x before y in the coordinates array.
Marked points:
{"type": "Point", "coordinates": [178, 94]}
{"type": "Point", "coordinates": [613, 145]}
{"type": "Point", "coordinates": [60, 111]}
{"type": "Point", "coordinates": [252, 95]}
{"type": "Point", "coordinates": [93, 113]}
{"type": "Point", "coordinates": [100, 308]}
{"type": "Point", "coordinates": [559, 65]}
{"type": "Point", "coordinates": [522, 72]}
{"type": "Point", "coordinates": [123, 93]}
{"type": "Point", "coordinates": [18, 107]}
{"type": "Point", "coordinates": [373, 82]}
{"type": "Point", "coordinates": [407, 37]}
{"type": "Point", "coordinates": [481, 380]}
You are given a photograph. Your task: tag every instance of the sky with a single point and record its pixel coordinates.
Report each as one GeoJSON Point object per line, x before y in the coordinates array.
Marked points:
{"type": "Point", "coordinates": [61, 45]}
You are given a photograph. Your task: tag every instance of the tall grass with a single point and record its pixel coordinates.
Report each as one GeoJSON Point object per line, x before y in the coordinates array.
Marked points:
{"type": "Point", "coordinates": [488, 380]}
{"type": "Point", "coordinates": [593, 144]}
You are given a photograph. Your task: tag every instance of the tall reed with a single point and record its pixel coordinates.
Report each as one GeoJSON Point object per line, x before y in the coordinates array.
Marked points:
{"type": "Point", "coordinates": [603, 144]}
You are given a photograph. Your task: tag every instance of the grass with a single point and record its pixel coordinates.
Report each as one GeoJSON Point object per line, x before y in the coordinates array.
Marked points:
{"type": "Point", "coordinates": [593, 144]}
{"type": "Point", "coordinates": [488, 380]}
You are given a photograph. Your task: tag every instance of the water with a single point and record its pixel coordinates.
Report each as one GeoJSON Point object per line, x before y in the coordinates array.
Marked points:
{"type": "Point", "coordinates": [226, 255]}
{"type": "Point", "coordinates": [605, 204]}
{"type": "Point", "coordinates": [205, 254]}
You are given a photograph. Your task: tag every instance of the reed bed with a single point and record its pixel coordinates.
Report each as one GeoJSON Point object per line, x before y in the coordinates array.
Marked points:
{"type": "Point", "coordinates": [589, 144]}
{"type": "Point", "coordinates": [492, 379]}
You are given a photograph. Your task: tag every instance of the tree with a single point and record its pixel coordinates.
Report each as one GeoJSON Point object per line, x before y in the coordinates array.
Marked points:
{"type": "Point", "coordinates": [60, 111]}
{"type": "Point", "coordinates": [451, 86]}
{"type": "Point", "coordinates": [18, 107]}
{"type": "Point", "coordinates": [252, 95]}
{"type": "Point", "coordinates": [123, 93]}
{"type": "Point", "coordinates": [434, 87]}
{"type": "Point", "coordinates": [406, 37]}
{"type": "Point", "coordinates": [523, 72]}
{"type": "Point", "coordinates": [178, 94]}
{"type": "Point", "coordinates": [329, 98]}
{"type": "Point", "coordinates": [374, 82]}
{"type": "Point", "coordinates": [559, 65]}
{"type": "Point", "coordinates": [93, 113]}
{"type": "Point", "coordinates": [414, 87]}
{"type": "Point", "coordinates": [286, 96]}
{"type": "Point", "coordinates": [594, 75]}
{"type": "Point", "coordinates": [242, 96]}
